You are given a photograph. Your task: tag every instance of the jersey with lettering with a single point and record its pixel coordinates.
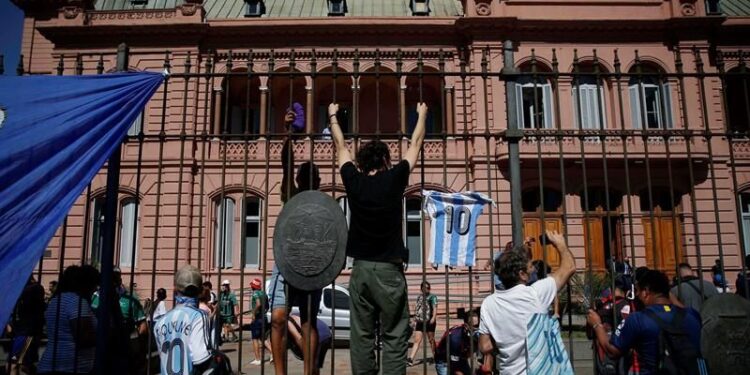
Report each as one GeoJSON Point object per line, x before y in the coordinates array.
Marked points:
{"type": "Point", "coordinates": [182, 337]}
{"type": "Point", "coordinates": [453, 231]}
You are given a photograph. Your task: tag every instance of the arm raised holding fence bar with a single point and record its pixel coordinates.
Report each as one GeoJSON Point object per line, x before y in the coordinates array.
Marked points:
{"type": "Point", "coordinates": [412, 154]}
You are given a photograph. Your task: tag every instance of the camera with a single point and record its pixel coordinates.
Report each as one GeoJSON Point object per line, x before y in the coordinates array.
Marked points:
{"type": "Point", "coordinates": [544, 239]}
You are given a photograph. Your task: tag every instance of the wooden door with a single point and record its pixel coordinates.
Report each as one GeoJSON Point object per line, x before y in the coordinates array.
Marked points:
{"type": "Point", "coordinates": [532, 227]}
{"type": "Point", "coordinates": [593, 238]}
{"type": "Point", "coordinates": [663, 249]}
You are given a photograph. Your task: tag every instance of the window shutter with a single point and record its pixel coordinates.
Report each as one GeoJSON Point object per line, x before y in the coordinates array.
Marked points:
{"type": "Point", "coordinates": [547, 97]}
{"type": "Point", "coordinates": [229, 233]}
{"type": "Point", "coordinates": [635, 106]}
{"type": "Point", "coordinates": [667, 106]}
{"type": "Point", "coordinates": [127, 229]}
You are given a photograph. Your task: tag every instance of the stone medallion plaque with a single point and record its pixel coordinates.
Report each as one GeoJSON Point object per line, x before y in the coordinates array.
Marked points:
{"type": "Point", "coordinates": [309, 242]}
{"type": "Point", "coordinates": [725, 333]}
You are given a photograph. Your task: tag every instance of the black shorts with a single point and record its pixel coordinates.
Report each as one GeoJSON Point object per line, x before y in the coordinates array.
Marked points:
{"type": "Point", "coordinates": [304, 300]}
{"type": "Point", "coordinates": [256, 328]}
{"type": "Point", "coordinates": [425, 327]}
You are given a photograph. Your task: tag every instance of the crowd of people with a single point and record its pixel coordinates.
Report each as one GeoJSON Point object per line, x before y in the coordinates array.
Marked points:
{"type": "Point", "coordinates": [628, 327]}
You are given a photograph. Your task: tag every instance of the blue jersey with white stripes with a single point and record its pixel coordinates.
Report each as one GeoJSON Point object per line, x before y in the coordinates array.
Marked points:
{"type": "Point", "coordinates": [454, 226]}
{"type": "Point", "coordinates": [182, 337]}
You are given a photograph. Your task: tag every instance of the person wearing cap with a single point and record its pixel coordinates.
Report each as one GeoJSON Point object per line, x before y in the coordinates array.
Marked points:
{"type": "Point", "coordinates": [282, 296]}
{"type": "Point", "coordinates": [258, 304]}
{"type": "Point", "coordinates": [182, 333]}
{"type": "Point", "coordinates": [228, 311]}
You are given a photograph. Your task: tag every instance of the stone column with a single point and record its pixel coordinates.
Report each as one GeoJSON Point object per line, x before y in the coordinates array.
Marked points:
{"type": "Point", "coordinates": [310, 110]}
{"type": "Point", "coordinates": [263, 109]}
{"type": "Point", "coordinates": [402, 108]}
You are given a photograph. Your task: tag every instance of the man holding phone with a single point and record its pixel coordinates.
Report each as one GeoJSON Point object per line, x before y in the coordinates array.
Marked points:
{"type": "Point", "coordinates": [505, 314]}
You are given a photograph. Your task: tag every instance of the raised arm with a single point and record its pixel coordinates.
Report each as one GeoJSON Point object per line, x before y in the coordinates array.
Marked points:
{"type": "Point", "coordinates": [567, 263]}
{"type": "Point", "coordinates": [417, 137]}
{"type": "Point", "coordinates": [338, 136]}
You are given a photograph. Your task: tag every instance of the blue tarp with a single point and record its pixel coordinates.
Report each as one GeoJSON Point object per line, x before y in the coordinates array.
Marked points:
{"type": "Point", "coordinates": [56, 132]}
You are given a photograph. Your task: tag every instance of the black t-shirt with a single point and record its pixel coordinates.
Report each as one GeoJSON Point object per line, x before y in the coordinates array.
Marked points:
{"type": "Point", "coordinates": [28, 316]}
{"type": "Point", "coordinates": [376, 226]}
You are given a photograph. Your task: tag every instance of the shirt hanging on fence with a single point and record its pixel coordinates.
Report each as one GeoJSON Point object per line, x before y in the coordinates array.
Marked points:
{"type": "Point", "coordinates": [545, 351]}
{"type": "Point", "coordinates": [454, 221]}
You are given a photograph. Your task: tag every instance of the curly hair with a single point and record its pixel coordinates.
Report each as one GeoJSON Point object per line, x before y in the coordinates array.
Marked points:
{"type": "Point", "coordinates": [373, 156]}
{"type": "Point", "coordinates": [509, 265]}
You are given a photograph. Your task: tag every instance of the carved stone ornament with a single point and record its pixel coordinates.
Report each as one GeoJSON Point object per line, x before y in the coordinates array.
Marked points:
{"type": "Point", "coordinates": [688, 10]}
{"type": "Point", "coordinates": [484, 8]}
{"type": "Point", "coordinates": [688, 7]}
{"type": "Point", "coordinates": [309, 242]}
{"type": "Point", "coordinates": [71, 12]}
{"type": "Point", "coordinates": [189, 9]}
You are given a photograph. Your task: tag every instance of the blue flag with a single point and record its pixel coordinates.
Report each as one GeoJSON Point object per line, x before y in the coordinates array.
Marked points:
{"type": "Point", "coordinates": [56, 132]}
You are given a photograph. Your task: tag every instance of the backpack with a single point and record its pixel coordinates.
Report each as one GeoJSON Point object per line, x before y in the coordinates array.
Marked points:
{"type": "Point", "coordinates": [677, 355]}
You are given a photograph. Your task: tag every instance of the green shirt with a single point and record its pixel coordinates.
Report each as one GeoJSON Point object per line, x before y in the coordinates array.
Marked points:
{"type": "Point", "coordinates": [257, 298]}
{"type": "Point", "coordinates": [227, 302]}
{"type": "Point", "coordinates": [130, 307]}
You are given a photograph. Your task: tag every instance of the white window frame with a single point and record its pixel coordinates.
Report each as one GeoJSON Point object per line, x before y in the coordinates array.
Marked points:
{"type": "Point", "coordinates": [221, 228]}
{"type": "Point", "coordinates": [546, 88]}
{"type": "Point", "coordinates": [662, 104]}
{"type": "Point", "coordinates": [253, 219]}
{"type": "Point", "coordinates": [129, 224]}
{"type": "Point", "coordinates": [591, 114]}
{"type": "Point", "coordinates": [413, 218]}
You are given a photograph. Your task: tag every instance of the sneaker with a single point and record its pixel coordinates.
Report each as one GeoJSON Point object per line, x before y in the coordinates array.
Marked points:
{"type": "Point", "coordinates": [255, 362]}
{"type": "Point", "coordinates": [409, 362]}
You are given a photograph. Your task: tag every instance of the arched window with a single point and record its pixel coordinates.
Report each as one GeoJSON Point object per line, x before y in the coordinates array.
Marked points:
{"type": "Point", "coordinates": [737, 94]}
{"type": "Point", "coordinates": [239, 105]}
{"type": "Point", "coordinates": [324, 95]}
{"type": "Point", "coordinates": [252, 222]}
{"type": "Point", "coordinates": [223, 232]}
{"type": "Point", "coordinates": [534, 100]}
{"type": "Point", "coordinates": [650, 99]}
{"type": "Point", "coordinates": [588, 99]}
{"type": "Point", "coordinates": [431, 94]}
{"type": "Point", "coordinates": [127, 232]}
{"type": "Point", "coordinates": [378, 103]}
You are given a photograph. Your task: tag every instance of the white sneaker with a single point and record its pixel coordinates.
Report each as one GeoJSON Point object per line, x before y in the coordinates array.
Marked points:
{"type": "Point", "coordinates": [255, 362]}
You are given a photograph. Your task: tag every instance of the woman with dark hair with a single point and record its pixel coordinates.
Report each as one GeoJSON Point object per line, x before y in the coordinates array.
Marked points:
{"type": "Point", "coordinates": [425, 320]}
{"type": "Point", "coordinates": [71, 324]}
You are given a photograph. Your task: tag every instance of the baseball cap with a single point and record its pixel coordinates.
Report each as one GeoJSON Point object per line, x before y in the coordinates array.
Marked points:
{"type": "Point", "coordinates": [225, 282]}
{"type": "Point", "coordinates": [188, 280]}
{"type": "Point", "coordinates": [255, 284]}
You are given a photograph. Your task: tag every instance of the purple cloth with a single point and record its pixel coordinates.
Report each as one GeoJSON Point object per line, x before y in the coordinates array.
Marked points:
{"type": "Point", "coordinates": [299, 117]}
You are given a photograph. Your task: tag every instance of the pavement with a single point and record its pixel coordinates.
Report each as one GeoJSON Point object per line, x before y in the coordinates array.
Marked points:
{"type": "Point", "coordinates": [583, 362]}
{"type": "Point", "coordinates": [339, 356]}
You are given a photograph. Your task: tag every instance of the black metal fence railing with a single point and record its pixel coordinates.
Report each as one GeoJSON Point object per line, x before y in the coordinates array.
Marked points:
{"type": "Point", "coordinates": [634, 160]}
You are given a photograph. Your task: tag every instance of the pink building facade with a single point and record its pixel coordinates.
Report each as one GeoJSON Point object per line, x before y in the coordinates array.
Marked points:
{"type": "Point", "coordinates": [634, 116]}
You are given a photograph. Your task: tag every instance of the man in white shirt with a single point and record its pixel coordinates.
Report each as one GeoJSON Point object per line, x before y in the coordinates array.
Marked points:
{"type": "Point", "coordinates": [505, 314]}
{"type": "Point", "coordinates": [182, 335]}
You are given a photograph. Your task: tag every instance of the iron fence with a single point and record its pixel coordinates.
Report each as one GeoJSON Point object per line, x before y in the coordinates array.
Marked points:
{"type": "Point", "coordinates": [630, 157]}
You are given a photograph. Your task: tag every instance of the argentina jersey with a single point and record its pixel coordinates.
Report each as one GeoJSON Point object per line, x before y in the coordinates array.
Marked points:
{"type": "Point", "coordinates": [453, 232]}
{"type": "Point", "coordinates": [182, 339]}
